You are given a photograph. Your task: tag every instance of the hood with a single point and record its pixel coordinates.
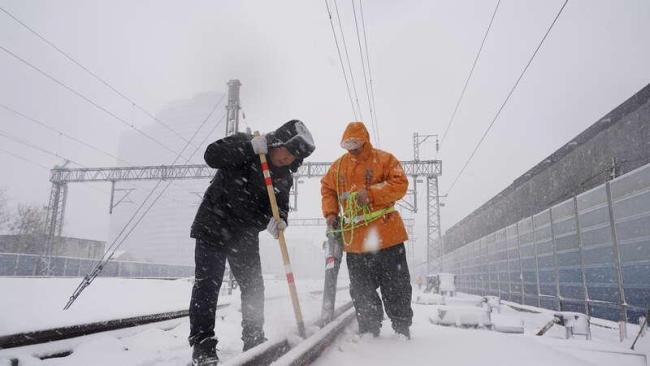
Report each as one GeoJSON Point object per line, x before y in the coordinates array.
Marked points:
{"type": "Point", "coordinates": [356, 131]}
{"type": "Point", "coordinates": [295, 136]}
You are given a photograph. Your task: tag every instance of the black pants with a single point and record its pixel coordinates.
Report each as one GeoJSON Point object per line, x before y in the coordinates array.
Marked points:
{"type": "Point", "coordinates": [243, 254]}
{"type": "Point", "coordinates": [387, 270]}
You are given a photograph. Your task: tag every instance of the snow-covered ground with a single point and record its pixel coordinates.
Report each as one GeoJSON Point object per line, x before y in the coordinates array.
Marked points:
{"type": "Point", "coordinates": [450, 346]}
{"type": "Point", "coordinates": [165, 343]}
{"type": "Point", "coordinates": [37, 303]}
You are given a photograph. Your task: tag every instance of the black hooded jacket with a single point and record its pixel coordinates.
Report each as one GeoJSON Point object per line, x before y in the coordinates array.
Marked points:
{"type": "Point", "coordinates": [237, 198]}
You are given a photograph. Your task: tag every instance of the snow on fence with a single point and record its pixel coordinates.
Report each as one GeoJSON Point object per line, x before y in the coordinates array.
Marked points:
{"type": "Point", "coordinates": [12, 264]}
{"type": "Point", "coordinates": [589, 254]}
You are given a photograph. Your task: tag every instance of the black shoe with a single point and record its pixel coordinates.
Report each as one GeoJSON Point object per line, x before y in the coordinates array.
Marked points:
{"type": "Point", "coordinates": [252, 342]}
{"type": "Point", "coordinates": [204, 353]}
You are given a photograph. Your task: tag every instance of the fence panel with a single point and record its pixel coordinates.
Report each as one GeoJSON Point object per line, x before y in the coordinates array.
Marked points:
{"type": "Point", "coordinates": [569, 262]}
{"type": "Point", "coordinates": [528, 261]}
{"type": "Point", "coordinates": [514, 264]}
{"type": "Point", "coordinates": [544, 253]}
{"type": "Point", "coordinates": [631, 206]}
{"type": "Point", "coordinates": [598, 252]}
{"type": "Point", "coordinates": [501, 267]}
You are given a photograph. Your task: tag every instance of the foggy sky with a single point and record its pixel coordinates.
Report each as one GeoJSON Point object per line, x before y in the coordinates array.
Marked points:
{"type": "Point", "coordinates": [158, 52]}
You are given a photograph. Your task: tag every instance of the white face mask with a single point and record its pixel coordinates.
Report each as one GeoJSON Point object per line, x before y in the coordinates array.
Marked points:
{"type": "Point", "coordinates": [351, 144]}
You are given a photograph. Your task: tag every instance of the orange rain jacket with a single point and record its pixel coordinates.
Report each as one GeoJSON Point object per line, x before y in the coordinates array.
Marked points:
{"type": "Point", "coordinates": [381, 174]}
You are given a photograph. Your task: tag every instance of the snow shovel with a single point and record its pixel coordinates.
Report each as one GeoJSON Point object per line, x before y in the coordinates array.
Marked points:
{"type": "Point", "coordinates": [283, 246]}
{"type": "Point", "coordinates": [333, 254]}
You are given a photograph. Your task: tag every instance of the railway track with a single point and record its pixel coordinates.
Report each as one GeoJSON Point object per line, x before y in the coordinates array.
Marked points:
{"type": "Point", "coordinates": [276, 349]}
{"type": "Point", "coordinates": [281, 350]}
{"type": "Point", "coordinates": [78, 330]}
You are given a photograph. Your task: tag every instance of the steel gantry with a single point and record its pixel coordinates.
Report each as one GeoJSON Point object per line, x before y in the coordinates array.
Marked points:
{"type": "Point", "coordinates": [60, 177]}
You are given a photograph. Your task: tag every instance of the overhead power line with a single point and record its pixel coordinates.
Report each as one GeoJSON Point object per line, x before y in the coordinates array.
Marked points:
{"type": "Point", "coordinates": [61, 133]}
{"type": "Point", "coordinates": [134, 221]}
{"type": "Point", "coordinates": [496, 116]}
{"type": "Point", "coordinates": [338, 50]}
{"type": "Point", "coordinates": [469, 76]}
{"type": "Point", "coordinates": [85, 98]}
{"type": "Point", "coordinates": [365, 75]}
{"type": "Point", "coordinates": [39, 165]}
{"type": "Point", "coordinates": [347, 56]}
{"type": "Point", "coordinates": [23, 158]}
{"type": "Point", "coordinates": [91, 73]}
{"type": "Point", "coordinates": [78, 140]}
{"type": "Point", "coordinates": [372, 88]}
{"type": "Point", "coordinates": [35, 147]}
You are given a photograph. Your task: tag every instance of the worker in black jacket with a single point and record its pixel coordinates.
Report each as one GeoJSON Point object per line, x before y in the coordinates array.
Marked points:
{"type": "Point", "coordinates": [235, 208]}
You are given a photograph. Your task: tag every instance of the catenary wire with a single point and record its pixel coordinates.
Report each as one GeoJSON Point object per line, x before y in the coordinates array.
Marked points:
{"type": "Point", "coordinates": [469, 76]}
{"type": "Point", "coordinates": [365, 74]}
{"type": "Point", "coordinates": [91, 73]}
{"type": "Point", "coordinates": [347, 56]}
{"type": "Point", "coordinates": [496, 116]}
{"type": "Point", "coordinates": [119, 239]}
{"type": "Point", "coordinates": [338, 50]}
{"type": "Point", "coordinates": [85, 98]}
{"type": "Point", "coordinates": [372, 88]}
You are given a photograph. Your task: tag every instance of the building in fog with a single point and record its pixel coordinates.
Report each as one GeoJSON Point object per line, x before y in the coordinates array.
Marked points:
{"type": "Point", "coordinates": [163, 235]}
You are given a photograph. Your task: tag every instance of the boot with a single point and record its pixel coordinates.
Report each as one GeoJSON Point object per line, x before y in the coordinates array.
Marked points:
{"type": "Point", "coordinates": [253, 341]}
{"type": "Point", "coordinates": [204, 353]}
{"type": "Point", "coordinates": [403, 330]}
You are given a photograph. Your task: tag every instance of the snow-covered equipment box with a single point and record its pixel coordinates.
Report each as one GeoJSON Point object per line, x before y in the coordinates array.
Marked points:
{"type": "Point", "coordinates": [461, 316]}
{"type": "Point", "coordinates": [429, 299]}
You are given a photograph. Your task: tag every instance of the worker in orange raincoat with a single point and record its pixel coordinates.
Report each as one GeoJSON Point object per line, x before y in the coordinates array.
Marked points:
{"type": "Point", "coordinates": [358, 193]}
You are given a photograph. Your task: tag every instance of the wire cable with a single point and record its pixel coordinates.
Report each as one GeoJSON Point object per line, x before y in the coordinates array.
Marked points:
{"type": "Point", "coordinates": [496, 116]}
{"type": "Point", "coordinates": [35, 147]}
{"type": "Point", "coordinates": [338, 50]}
{"type": "Point", "coordinates": [20, 157]}
{"type": "Point", "coordinates": [91, 73]}
{"type": "Point", "coordinates": [79, 141]}
{"type": "Point", "coordinates": [85, 98]}
{"type": "Point", "coordinates": [365, 76]}
{"type": "Point", "coordinates": [471, 72]}
{"type": "Point", "coordinates": [372, 88]}
{"type": "Point", "coordinates": [61, 133]}
{"type": "Point", "coordinates": [347, 56]}
{"type": "Point", "coordinates": [124, 234]}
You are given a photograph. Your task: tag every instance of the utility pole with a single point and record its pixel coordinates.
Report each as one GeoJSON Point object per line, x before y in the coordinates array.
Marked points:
{"type": "Point", "coordinates": [232, 127]}
{"type": "Point", "coordinates": [233, 107]}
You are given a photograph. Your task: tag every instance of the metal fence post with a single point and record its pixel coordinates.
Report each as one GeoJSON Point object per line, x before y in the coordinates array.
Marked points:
{"type": "Point", "coordinates": [539, 292]}
{"type": "Point", "coordinates": [617, 264]}
{"type": "Point", "coordinates": [582, 258]}
{"type": "Point", "coordinates": [496, 266]}
{"type": "Point", "coordinates": [486, 268]}
{"type": "Point", "coordinates": [555, 265]}
{"type": "Point", "coordinates": [521, 265]}
{"type": "Point", "coordinates": [508, 264]}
